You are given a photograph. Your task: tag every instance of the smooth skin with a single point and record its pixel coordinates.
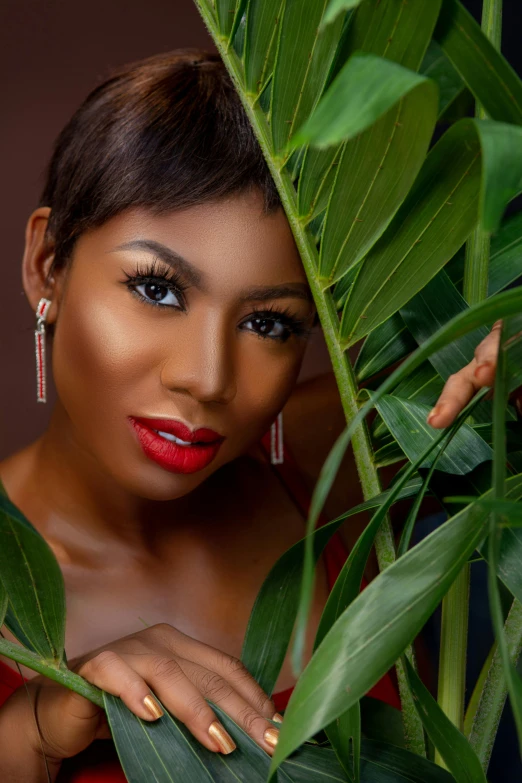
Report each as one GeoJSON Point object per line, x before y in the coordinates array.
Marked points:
{"type": "Point", "coordinates": [182, 555]}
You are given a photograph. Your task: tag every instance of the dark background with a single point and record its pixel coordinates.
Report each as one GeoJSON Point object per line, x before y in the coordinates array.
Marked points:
{"type": "Point", "coordinates": [53, 53]}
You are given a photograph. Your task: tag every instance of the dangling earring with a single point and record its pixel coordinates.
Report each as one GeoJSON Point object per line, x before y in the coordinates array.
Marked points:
{"type": "Point", "coordinates": [39, 336]}
{"type": "Point", "coordinates": [276, 441]}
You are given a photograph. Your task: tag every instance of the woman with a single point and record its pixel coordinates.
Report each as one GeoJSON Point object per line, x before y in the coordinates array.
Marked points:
{"type": "Point", "coordinates": [179, 314]}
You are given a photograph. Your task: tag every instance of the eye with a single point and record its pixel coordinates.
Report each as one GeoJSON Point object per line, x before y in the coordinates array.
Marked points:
{"type": "Point", "coordinates": [268, 327]}
{"type": "Point", "coordinates": [157, 285]}
{"type": "Point", "coordinates": [157, 293]}
{"type": "Point", "coordinates": [276, 325]}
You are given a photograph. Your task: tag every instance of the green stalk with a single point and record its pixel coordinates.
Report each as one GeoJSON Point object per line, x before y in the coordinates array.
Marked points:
{"type": "Point", "coordinates": [344, 374]}
{"type": "Point", "coordinates": [484, 723]}
{"type": "Point", "coordinates": [454, 632]}
{"type": "Point", "coordinates": [61, 675]}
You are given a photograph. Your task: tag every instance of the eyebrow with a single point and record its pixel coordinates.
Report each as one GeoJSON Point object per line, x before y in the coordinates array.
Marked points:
{"type": "Point", "coordinates": [196, 278]}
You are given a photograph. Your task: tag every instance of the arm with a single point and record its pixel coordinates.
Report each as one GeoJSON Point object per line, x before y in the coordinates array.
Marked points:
{"type": "Point", "coordinates": [21, 759]}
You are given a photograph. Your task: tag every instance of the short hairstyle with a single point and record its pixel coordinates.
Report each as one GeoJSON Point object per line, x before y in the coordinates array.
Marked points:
{"type": "Point", "coordinates": [165, 132]}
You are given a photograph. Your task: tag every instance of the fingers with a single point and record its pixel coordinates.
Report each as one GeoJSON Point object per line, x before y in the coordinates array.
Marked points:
{"type": "Point", "coordinates": [457, 392]}
{"type": "Point", "coordinates": [254, 721]}
{"type": "Point", "coordinates": [463, 385]}
{"type": "Point", "coordinates": [113, 674]}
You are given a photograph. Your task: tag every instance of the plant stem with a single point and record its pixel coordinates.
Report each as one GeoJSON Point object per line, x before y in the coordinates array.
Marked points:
{"type": "Point", "coordinates": [344, 374]}
{"type": "Point", "coordinates": [62, 675]}
{"type": "Point", "coordinates": [452, 667]}
{"type": "Point", "coordinates": [493, 696]}
{"type": "Point", "coordinates": [453, 650]}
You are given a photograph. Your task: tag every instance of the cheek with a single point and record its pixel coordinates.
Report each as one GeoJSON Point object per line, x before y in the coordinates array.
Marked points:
{"type": "Point", "coordinates": [266, 380]}
{"type": "Point", "coordinates": [98, 355]}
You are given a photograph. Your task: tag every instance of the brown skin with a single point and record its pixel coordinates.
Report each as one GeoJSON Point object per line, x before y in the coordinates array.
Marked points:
{"type": "Point", "coordinates": [187, 553]}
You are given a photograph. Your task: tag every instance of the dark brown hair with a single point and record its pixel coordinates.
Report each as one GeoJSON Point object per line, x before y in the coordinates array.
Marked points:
{"type": "Point", "coordinates": [165, 132]}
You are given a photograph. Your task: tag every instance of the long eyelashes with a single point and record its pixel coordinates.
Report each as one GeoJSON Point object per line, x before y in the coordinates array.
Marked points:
{"type": "Point", "coordinates": [163, 275]}
{"type": "Point", "coordinates": [156, 273]}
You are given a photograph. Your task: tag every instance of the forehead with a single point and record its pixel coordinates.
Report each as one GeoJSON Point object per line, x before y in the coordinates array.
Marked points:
{"type": "Point", "coordinates": [232, 242]}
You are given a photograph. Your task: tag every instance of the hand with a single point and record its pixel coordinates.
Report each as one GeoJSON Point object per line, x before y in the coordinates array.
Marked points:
{"type": "Point", "coordinates": [179, 669]}
{"type": "Point", "coordinates": [463, 385]}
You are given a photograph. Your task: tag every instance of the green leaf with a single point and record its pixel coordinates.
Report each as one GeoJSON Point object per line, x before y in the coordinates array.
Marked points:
{"type": "Point", "coordinates": [499, 492]}
{"type": "Point", "coordinates": [388, 343]}
{"type": "Point", "coordinates": [226, 10]}
{"type": "Point", "coordinates": [488, 75]}
{"type": "Point", "coordinates": [407, 423]}
{"type": "Point", "coordinates": [300, 72]}
{"type": "Point", "coordinates": [336, 7]}
{"type": "Point", "coordinates": [366, 88]}
{"type": "Point", "coordinates": [33, 581]}
{"type": "Point", "coordinates": [344, 734]}
{"type": "Point", "coordinates": [436, 66]}
{"type": "Point", "coordinates": [393, 30]}
{"type": "Point", "coordinates": [3, 604]}
{"type": "Point", "coordinates": [273, 614]}
{"type": "Point", "coordinates": [430, 309]}
{"type": "Point", "coordinates": [364, 200]}
{"type": "Point", "coordinates": [432, 223]}
{"type": "Point", "coordinates": [262, 26]}
{"type": "Point", "coordinates": [395, 765]}
{"type": "Point", "coordinates": [378, 625]}
{"type": "Point", "coordinates": [459, 756]}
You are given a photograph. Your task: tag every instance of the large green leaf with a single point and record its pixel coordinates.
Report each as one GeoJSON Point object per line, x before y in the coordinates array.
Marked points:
{"type": "Point", "coordinates": [407, 423]}
{"type": "Point", "coordinates": [166, 752]}
{"type": "Point", "coordinates": [378, 625]}
{"type": "Point", "coordinates": [273, 614]}
{"type": "Point", "coordinates": [505, 262]}
{"type": "Point", "coordinates": [453, 746]}
{"type": "Point", "coordinates": [226, 10]}
{"type": "Point", "coordinates": [262, 25]}
{"type": "Point", "coordinates": [300, 72]}
{"type": "Point", "coordinates": [433, 222]}
{"type": "Point", "coordinates": [488, 75]}
{"type": "Point", "coordinates": [33, 581]}
{"type": "Point", "coordinates": [336, 7]}
{"type": "Point", "coordinates": [388, 343]}
{"type": "Point", "coordinates": [392, 341]}
{"type": "Point", "coordinates": [393, 30]}
{"type": "Point", "coordinates": [369, 188]}
{"type": "Point", "coordinates": [436, 66]}
{"type": "Point", "coordinates": [365, 89]}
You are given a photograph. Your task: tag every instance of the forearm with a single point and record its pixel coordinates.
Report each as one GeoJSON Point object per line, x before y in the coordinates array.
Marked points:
{"type": "Point", "coordinates": [21, 758]}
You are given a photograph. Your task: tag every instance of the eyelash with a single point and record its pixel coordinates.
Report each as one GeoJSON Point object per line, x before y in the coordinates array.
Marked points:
{"type": "Point", "coordinates": [156, 273]}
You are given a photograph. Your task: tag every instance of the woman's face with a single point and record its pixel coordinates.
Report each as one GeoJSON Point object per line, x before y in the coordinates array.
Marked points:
{"type": "Point", "coordinates": [214, 340]}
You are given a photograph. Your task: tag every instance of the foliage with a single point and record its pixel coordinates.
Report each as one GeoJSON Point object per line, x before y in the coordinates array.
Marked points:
{"type": "Point", "coordinates": [347, 100]}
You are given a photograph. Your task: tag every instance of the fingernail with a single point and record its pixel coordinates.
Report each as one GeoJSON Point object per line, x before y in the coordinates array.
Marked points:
{"type": "Point", "coordinates": [153, 706]}
{"type": "Point", "coordinates": [434, 412]}
{"type": "Point", "coordinates": [278, 718]}
{"type": "Point", "coordinates": [271, 736]}
{"type": "Point", "coordinates": [222, 737]}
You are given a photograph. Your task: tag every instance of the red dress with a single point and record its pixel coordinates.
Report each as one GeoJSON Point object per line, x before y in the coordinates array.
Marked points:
{"type": "Point", "coordinates": [98, 763]}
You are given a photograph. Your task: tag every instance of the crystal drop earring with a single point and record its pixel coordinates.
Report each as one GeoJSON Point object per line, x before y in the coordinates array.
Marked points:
{"type": "Point", "coordinates": [276, 441]}
{"type": "Point", "coordinates": [39, 336]}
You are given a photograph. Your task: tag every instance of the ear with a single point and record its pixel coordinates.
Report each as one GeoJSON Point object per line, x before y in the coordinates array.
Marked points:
{"type": "Point", "coordinates": [37, 260]}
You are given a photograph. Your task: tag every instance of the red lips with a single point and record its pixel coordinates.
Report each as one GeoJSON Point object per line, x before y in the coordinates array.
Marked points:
{"type": "Point", "coordinates": [175, 457]}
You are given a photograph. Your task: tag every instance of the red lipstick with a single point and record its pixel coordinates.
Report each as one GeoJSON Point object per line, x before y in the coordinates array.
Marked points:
{"type": "Point", "coordinates": [198, 450]}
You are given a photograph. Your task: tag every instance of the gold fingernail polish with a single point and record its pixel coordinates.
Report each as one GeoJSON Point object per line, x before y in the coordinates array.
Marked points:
{"type": "Point", "coordinates": [153, 706]}
{"type": "Point", "coordinates": [278, 718]}
{"type": "Point", "coordinates": [271, 736]}
{"type": "Point", "coordinates": [222, 737]}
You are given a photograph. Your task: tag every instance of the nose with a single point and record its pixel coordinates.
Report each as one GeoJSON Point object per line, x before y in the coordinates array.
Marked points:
{"type": "Point", "coordinates": [201, 361]}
